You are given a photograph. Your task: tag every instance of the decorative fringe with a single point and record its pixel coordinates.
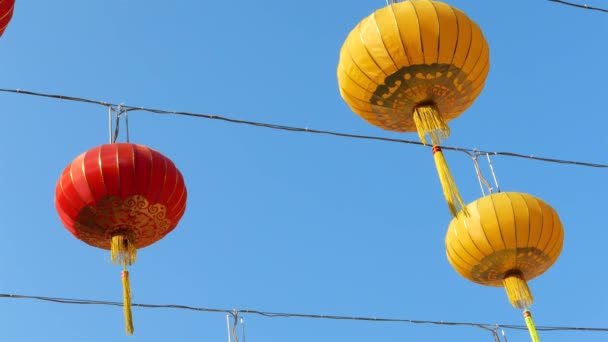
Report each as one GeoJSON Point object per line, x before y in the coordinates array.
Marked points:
{"type": "Point", "coordinates": [517, 290]}
{"type": "Point", "coordinates": [122, 248]}
{"type": "Point", "coordinates": [531, 326]}
{"type": "Point", "coordinates": [123, 252]}
{"type": "Point", "coordinates": [126, 297]}
{"type": "Point", "coordinates": [450, 190]}
{"type": "Point", "coordinates": [428, 120]}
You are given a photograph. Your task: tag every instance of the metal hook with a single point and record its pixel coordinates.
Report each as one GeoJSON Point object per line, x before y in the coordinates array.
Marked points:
{"type": "Point", "coordinates": [110, 112]}
{"type": "Point", "coordinates": [119, 111]}
{"type": "Point", "coordinates": [243, 329]}
{"type": "Point", "coordinates": [493, 331]}
{"type": "Point", "coordinates": [228, 326]}
{"type": "Point", "coordinates": [126, 113]}
{"type": "Point", "coordinates": [493, 173]}
{"type": "Point", "coordinates": [480, 178]}
{"type": "Point", "coordinates": [235, 314]}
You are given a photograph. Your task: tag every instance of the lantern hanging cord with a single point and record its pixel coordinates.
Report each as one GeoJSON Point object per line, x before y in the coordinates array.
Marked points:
{"type": "Point", "coordinates": [483, 183]}
{"type": "Point", "coordinates": [118, 112]}
{"type": "Point", "coordinates": [267, 314]}
{"type": "Point", "coordinates": [235, 316]}
{"type": "Point", "coordinates": [494, 332]}
{"type": "Point", "coordinates": [303, 130]}
{"type": "Point", "coordinates": [493, 173]}
{"type": "Point", "coordinates": [584, 6]}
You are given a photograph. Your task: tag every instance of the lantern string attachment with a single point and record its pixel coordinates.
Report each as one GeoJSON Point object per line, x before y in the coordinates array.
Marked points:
{"type": "Point", "coordinates": [493, 173]}
{"type": "Point", "coordinates": [110, 115]}
{"type": "Point", "coordinates": [504, 335]}
{"type": "Point", "coordinates": [232, 332]}
{"type": "Point", "coordinates": [483, 182]}
{"type": "Point", "coordinates": [493, 330]}
{"type": "Point", "coordinates": [243, 329]}
{"type": "Point", "coordinates": [117, 112]}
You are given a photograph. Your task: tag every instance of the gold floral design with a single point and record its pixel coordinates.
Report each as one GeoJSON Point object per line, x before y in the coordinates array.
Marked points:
{"type": "Point", "coordinates": [147, 222]}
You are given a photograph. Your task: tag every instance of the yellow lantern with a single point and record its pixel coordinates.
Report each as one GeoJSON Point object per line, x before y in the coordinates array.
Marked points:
{"type": "Point", "coordinates": [414, 66]}
{"type": "Point", "coordinates": [507, 239]}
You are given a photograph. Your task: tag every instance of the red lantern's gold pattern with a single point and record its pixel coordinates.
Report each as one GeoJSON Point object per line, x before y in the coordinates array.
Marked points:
{"type": "Point", "coordinates": [120, 187]}
{"type": "Point", "coordinates": [6, 13]}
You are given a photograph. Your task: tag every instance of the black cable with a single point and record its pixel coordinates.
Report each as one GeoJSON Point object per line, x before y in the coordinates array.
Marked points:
{"type": "Point", "coordinates": [235, 313]}
{"type": "Point", "coordinates": [580, 6]}
{"type": "Point", "coordinates": [304, 130]}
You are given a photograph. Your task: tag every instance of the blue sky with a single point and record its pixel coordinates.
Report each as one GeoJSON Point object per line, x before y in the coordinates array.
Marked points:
{"type": "Point", "coordinates": [291, 222]}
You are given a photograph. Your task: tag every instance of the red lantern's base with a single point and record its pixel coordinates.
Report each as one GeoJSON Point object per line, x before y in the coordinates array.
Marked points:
{"type": "Point", "coordinates": [146, 222]}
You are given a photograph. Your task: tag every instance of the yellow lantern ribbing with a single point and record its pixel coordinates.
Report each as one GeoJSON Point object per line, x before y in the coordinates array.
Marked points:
{"type": "Point", "coordinates": [507, 239]}
{"type": "Point", "coordinates": [413, 66]}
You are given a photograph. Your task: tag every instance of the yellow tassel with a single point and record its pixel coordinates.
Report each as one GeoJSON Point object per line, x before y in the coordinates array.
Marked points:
{"type": "Point", "coordinates": [123, 252]}
{"type": "Point", "coordinates": [126, 294]}
{"type": "Point", "coordinates": [517, 290]}
{"type": "Point", "coordinates": [450, 190]}
{"type": "Point", "coordinates": [428, 120]}
{"type": "Point", "coordinates": [531, 326]}
{"type": "Point", "coordinates": [122, 248]}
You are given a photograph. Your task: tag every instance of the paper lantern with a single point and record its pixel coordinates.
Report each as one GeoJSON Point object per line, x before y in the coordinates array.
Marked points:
{"type": "Point", "coordinates": [507, 239]}
{"type": "Point", "coordinates": [414, 66]}
{"type": "Point", "coordinates": [6, 13]}
{"type": "Point", "coordinates": [121, 197]}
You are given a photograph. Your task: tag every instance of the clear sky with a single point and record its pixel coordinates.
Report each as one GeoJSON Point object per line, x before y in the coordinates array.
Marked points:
{"type": "Point", "coordinates": [292, 222]}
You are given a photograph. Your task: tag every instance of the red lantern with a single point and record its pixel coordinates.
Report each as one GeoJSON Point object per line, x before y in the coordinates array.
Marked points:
{"type": "Point", "coordinates": [6, 13]}
{"type": "Point", "coordinates": [121, 197]}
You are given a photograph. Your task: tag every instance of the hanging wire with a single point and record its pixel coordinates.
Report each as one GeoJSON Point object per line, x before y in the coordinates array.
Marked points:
{"type": "Point", "coordinates": [301, 315]}
{"type": "Point", "coordinates": [306, 130]}
{"type": "Point", "coordinates": [585, 6]}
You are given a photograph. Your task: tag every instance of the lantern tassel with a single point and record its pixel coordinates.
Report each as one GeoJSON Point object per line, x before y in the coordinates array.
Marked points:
{"type": "Point", "coordinates": [122, 248]}
{"type": "Point", "coordinates": [124, 252]}
{"type": "Point", "coordinates": [428, 120]}
{"type": "Point", "coordinates": [450, 190]}
{"type": "Point", "coordinates": [517, 290]}
{"type": "Point", "coordinates": [531, 326]}
{"type": "Point", "coordinates": [126, 294]}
